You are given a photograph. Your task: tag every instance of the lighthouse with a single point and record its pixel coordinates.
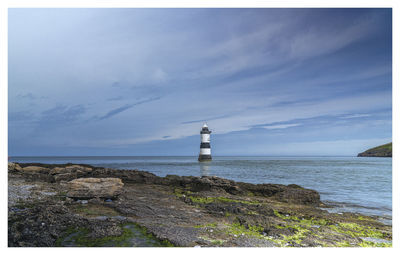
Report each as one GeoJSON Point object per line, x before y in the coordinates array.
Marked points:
{"type": "Point", "coordinates": [205, 149]}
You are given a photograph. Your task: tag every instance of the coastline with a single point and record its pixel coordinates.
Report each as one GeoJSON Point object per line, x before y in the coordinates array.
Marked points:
{"type": "Point", "coordinates": [176, 211]}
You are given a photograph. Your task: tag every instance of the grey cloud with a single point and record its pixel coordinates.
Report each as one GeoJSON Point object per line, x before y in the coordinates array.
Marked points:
{"type": "Point", "coordinates": [116, 111]}
{"type": "Point", "coordinates": [20, 116]}
{"type": "Point", "coordinates": [115, 98]}
{"type": "Point", "coordinates": [126, 107]}
{"type": "Point", "coordinates": [61, 115]}
{"type": "Point", "coordinates": [27, 96]}
{"type": "Point", "coordinates": [204, 120]}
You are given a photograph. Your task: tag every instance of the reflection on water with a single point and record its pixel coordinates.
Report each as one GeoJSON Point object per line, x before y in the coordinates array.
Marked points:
{"type": "Point", "coordinates": [204, 168]}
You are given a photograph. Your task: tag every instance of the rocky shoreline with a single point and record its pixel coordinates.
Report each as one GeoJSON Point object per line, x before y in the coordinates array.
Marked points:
{"type": "Point", "coordinates": [82, 205]}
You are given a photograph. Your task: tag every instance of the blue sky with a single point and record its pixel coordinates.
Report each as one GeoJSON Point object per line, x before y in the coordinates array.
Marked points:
{"type": "Point", "coordinates": [143, 81]}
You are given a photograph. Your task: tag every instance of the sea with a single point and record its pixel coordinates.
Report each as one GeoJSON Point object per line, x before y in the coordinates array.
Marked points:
{"type": "Point", "coordinates": [348, 184]}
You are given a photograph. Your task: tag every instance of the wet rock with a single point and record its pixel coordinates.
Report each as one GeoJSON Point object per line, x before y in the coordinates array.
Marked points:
{"type": "Point", "coordinates": [299, 196]}
{"type": "Point", "coordinates": [290, 194]}
{"type": "Point", "coordinates": [94, 187]}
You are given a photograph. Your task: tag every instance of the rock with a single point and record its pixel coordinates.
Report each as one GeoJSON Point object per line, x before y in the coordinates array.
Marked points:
{"type": "Point", "coordinates": [299, 196]}
{"type": "Point", "coordinates": [65, 177]}
{"type": "Point", "coordinates": [77, 168]}
{"type": "Point", "coordinates": [94, 187]}
{"type": "Point", "coordinates": [59, 170]}
{"type": "Point", "coordinates": [14, 166]}
{"type": "Point", "coordinates": [35, 169]}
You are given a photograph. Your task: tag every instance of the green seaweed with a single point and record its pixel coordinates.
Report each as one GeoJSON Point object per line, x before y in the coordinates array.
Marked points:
{"type": "Point", "coordinates": [373, 244]}
{"type": "Point", "coordinates": [79, 237]}
{"type": "Point", "coordinates": [212, 225]}
{"type": "Point", "coordinates": [356, 230]}
{"type": "Point", "coordinates": [251, 230]}
{"type": "Point", "coordinates": [208, 200]}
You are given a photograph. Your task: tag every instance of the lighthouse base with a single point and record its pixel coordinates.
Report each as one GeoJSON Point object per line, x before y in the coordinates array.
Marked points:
{"type": "Point", "coordinates": [205, 158]}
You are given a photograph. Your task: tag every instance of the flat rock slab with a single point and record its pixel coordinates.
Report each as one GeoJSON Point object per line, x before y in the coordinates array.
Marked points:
{"type": "Point", "coordinates": [94, 187]}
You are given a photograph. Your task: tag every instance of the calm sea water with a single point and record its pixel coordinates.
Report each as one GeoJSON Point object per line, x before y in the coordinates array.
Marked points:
{"type": "Point", "coordinates": [353, 184]}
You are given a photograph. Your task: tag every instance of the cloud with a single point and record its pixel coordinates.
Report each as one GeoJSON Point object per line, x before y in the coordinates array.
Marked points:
{"type": "Point", "coordinates": [116, 111]}
{"type": "Point", "coordinates": [126, 107]}
{"type": "Point", "coordinates": [20, 116]}
{"type": "Point", "coordinates": [159, 75]}
{"type": "Point", "coordinates": [118, 98]}
{"type": "Point", "coordinates": [240, 70]}
{"type": "Point", "coordinates": [59, 116]}
{"type": "Point", "coordinates": [357, 115]}
{"type": "Point", "coordinates": [208, 119]}
{"type": "Point", "coordinates": [281, 126]}
{"type": "Point", "coordinates": [27, 95]}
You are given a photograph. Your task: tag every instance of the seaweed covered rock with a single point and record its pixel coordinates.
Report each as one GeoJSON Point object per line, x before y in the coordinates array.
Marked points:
{"type": "Point", "coordinates": [94, 187]}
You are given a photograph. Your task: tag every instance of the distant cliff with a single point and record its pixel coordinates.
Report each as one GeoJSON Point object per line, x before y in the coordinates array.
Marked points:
{"type": "Point", "coordinates": [380, 151]}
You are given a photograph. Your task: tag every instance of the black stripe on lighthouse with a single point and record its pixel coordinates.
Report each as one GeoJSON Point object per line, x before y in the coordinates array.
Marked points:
{"type": "Point", "coordinates": [205, 145]}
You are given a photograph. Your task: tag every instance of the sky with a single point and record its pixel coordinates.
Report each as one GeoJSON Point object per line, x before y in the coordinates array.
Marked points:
{"type": "Point", "coordinates": [273, 82]}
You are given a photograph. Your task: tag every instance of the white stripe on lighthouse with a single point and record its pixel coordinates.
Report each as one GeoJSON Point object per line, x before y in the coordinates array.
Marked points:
{"type": "Point", "coordinates": [205, 151]}
{"type": "Point", "coordinates": [205, 138]}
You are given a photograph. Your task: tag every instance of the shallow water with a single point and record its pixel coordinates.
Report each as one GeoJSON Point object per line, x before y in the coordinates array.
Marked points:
{"type": "Point", "coordinates": [362, 185]}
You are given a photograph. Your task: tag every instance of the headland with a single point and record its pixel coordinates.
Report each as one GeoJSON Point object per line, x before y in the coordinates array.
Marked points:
{"type": "Point", "coordinates": [379, 151]}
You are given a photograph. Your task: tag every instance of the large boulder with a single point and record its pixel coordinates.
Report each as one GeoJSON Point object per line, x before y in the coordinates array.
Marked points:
{"type": "Point", "coordinates": [86, 188]}
{"type": "Point", "coordinates": [14, 166]}
{"type": "Point", "coordinates": [35, 169]}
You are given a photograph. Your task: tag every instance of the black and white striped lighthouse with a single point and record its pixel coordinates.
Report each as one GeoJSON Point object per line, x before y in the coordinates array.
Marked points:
{"type": "Point", "coordinates": [205, 149]}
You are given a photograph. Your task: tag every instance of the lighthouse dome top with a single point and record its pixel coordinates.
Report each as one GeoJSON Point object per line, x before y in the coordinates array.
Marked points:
{"type": "Point", "coordinates": [205, 130]}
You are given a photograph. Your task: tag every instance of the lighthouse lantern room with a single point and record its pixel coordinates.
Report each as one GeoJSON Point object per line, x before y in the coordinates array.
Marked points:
{"type": "Point", "coordinates": [205, 149]}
